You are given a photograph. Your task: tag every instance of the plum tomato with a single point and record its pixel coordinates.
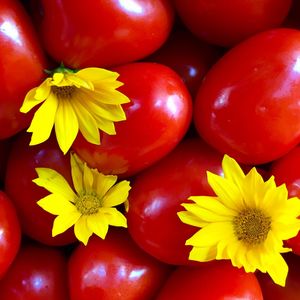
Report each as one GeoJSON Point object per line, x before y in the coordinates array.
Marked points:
{"type": "Point", "coordinates": [21, 164]}
{"type": "Point", "coordinates": [114, 269]}
{"type": "Point", "coordinates": [285, 171]}
{"type": "Point", "coordinates": [248, 104]}
{"type": "Point", "coordinates": [102, 33]}
{"type": "Point", "coordinates": [158, 117]}
{"type": "Point", "coordinates": [157, 194]}
{"type": "Point", "coordinates": [22, 63]}
{"type": "Point", "coordinates": [37, 273]}
{"type": "Point", "coordinates": [218, 280]}
{"type": "Point", "coordinates": [226, 23]}
{"type": "Point", "coordinates": [10, 233]}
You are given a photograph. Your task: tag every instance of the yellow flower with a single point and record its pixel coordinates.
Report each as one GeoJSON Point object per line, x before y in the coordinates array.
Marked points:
{"type": "Point", "coordinates": [84, 101]}
{"type": "Point", "coordinates": [90, 207]}
{"type": "Point", "coordinates": [245, 222]}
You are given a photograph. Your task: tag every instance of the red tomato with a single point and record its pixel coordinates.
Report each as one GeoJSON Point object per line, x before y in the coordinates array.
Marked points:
{"type": "Point", "coordinates": [228, 22]}
{"type": "Point", "coordinates": [214, 281]}
{"type": "Point", "coordinates": [188, 56]}
{"type": "Point", "coordinates": [103, 33]}
{"type": "Point", "coordinates": [291, 291]}
{"type": "Point", "coordinates": [4, 151]}
{"type": "Point", "coordinates": [247, 106]}
{"type": "Point", "coordinates": [22, 161]}
{"type": "Point", "coordinates": [113, 269]}
{"type": "Point", "coordinates": [156, 197]}
{"type": "Point", "coordinates": [22, 64]}
{"type": "Point", "coordinates": [285, 171]}
{"type": "Point", "coordinates": [158, 116]}
{"type": "Point", "coordinates": [10, 233]}
{"type": "Point", "coordinates": [38, 273]}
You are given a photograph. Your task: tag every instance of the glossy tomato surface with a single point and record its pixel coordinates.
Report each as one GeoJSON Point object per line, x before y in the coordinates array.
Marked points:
{"type": "Point", "coordinates": [157, 194]}
{"type": "Point", "coordinates": [103, 33]}
{"type": "Point", "coordinates": [214, 281]}
{"type": "Point", "coordinates": [226, 23]}
{"type": "Point", "coordinates": [21, 65]}
{"type": "Point", "coordinates": [10, 233]}
{"type": "Point", "coordinates": [38, 273]}
{"type": "Point", "coordinates": [22, 161]}
{"type": "Point", "coordinates": [248, 104]}
{"type": "Point", "coordinates": [158, 116]}
{"type": "Point", "coordinates": [114, 269]}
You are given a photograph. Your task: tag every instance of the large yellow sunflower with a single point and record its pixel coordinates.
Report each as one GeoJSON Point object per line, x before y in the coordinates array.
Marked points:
{"type": "Point", "coordinates": [85, 101]}
{"type": "Point", "coordinates": [245, 222]}
{"type": "Point", "coordinates": [91, 207]}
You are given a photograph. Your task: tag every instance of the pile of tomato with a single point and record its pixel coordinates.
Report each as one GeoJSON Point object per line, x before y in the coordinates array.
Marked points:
{"type": "Point", "coordinates": [205, 78]}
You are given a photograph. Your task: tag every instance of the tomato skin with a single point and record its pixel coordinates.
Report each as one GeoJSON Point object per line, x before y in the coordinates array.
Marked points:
{"type": "Point", "coordinates": [23, 159]}
{"type": "Point", "coordinates": [157, 194]}
{"type": "Point", "coordinates": [38, 273]}
{"type": "Point", "coordinates": [215, 281]}
{"type": "Point", "coordinates": [22, 63]}
{"type": "Point", "coordinates": [114, 268]}
{"type": "Point", "coordinates": [247, 106]}
{"type": "Point", "coordinates": [10, 233]}
{"type": "Point", "coordinates": [188, 56]}
{"type": "Point", "coordinates": [226, 23]}
{"type": "Point", "coordinates": [103, 33]}
{"type": "Point", "coordinates": [158, 116]}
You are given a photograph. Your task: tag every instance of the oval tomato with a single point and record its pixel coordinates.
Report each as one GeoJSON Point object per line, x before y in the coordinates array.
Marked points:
{"type": "Point", "coordinates": [10, 236]}
{"type": "Point", "coordinates": [38, 273]}
{"type": "Point", "coordinates": [158, 116]}
{"type": "Point", "coordinates": [114, 269]}
{"type": "Point", "coordinates": [214, 281]}
{"type": "Point", "coordinates": [103, 33]}
{"type": "Point", "coordinates": [22, 63]}
{"type": "Point", "coordinates": [22, 161]}
{"type": "Point", "coordinates": [247, 106]}
{"type": "Point", "coordinates": [226, 23]}
{"type": "Point", "coordinates": [157, 194]}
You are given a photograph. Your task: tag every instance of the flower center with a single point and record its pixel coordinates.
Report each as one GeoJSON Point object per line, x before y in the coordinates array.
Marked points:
{"type": "Point", "coordinates": [252, 226]}
{"type": "Point", "coordinates": [88, 204]}
{"type": "Point", "coordinates": [63, 91]}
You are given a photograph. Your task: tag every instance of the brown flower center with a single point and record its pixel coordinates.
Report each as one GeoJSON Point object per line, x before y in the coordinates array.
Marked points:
{"type": "Point", "coordinates": [251, 226]}
{"type": "Point", "coordinates": [64, 92]}
{"type": "Point", "coordinates": [88, 204]}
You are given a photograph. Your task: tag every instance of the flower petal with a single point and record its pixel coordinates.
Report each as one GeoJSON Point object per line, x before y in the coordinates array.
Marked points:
{"type": "Point", "coordinates": [82, 230]}
{"type": "Point", "coordinates": [232, 170]}
{"type": "Point", "coordinates": [113, 216]}
{"type": "Point", "coordinates": [98, 224]}
{"type": "Point", "coordinates": [118, 194]}
{"type": "Point", "coordinates": [191, 219]}
{"type": "Point", "coordinates": [97, 74]}
{"type": "Point", "coordinates": [77, 173]}
{"type": "Point", "coordinates": [277, 268]}
{"type": "Point", "coordinates": [88, 179]}
{"type": "Point", "coordinates": [203, 254]}
{"type": "Point", "coordinates": [63, 222]}
{"type": "Point", "coordinates": [103, 183]}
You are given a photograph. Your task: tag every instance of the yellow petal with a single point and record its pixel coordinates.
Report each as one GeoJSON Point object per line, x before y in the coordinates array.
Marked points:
{"type": "Point", "coordinates": [75, 80]}
{"type": "Point", "coordinates": [56, 205]}
{"type": "Point", "coordinates": [104, 183]}
{"type": "Point", "coordinates": [105, 125]}
{"type": "Point", "coordinates": [106, 96]}
{"type": "Point", "coordinates": [66, 125]}
{"type": "Point", "coordinates": [97, 74]}
{"type": "Point", "coordinates": [58, 79]}
{"type": "Point", "coordinates": [203, 254]}
{"type": "Point", "coordinates": [43, 120]}
{"type": "Point", "coordinates": [88, 178]}
{"type": "Point", "coordinates": [232, 170]}
{"type": "Point", "coordinates": [43, 91]}
{"type": "Point", "coordinates": [63, 222]}
{"type": "Point", "coordinates": [286, 231]}
{"type": "Point", "coordinates": [190, 219]}
{"type": "Point", "coordinates": [113, 216]}
{"type": "Point", "coordinates": [98, 224]}
{"type": "Point", "coordinates": [81, 230]}
{"type": "Point", "coordinates": [55, 183]}
{"type": "Point", "coordinates": [277, 268]}
{"type": "Point", "coordinates": [118, 194]}
{"type": "Point", "coordinates": [77, 173]}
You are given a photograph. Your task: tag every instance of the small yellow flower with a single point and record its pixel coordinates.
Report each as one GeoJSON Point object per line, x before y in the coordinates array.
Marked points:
{"type": "Point", "coordinates": [245, 222]}
{"type": "Point", "coordinates": [90, 207]}
{"type": "Point", "coordinates": [84, 101]}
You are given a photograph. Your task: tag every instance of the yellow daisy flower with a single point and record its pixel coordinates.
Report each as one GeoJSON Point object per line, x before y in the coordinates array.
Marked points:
{"type": "Point", "coordinates": [245, 222]}
{"type": "Point", "coordinates": [90, 208]}
{"type": "Point", "coordinates": [84, 101]}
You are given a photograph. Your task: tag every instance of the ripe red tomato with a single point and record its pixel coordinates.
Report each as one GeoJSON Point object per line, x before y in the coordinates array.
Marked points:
{"type": "Point", "coordinates": [213, 281]}
{"type": "Point", "coordinates": [188, 56]}
{"type": "Point", "coordinates": [247, 106]}
{"type": "Point", "coordinates": [22, 161]}
{"type": "Point", "coordinates": [228, 22]}
{"type": "Point", "coordinates": [22, 63]}
{"type": "Point", "coordinates": [157, 194]}
{"type": "Point", "coordinates": [285, 171]}
{"type": "Point", "coordinates": [291, 291]}
{"type": "Point", "coordinates": [38, 273]}
{"type": "Point", "coordinates": [158, 116]}
{"type": "Point", "coordinates": [103, 33]}
{"type": "Point", "coordinates": [4, 151]}
{"type": "Point", "coordinates": [10, 233]}
{"type": "Point", "coordinates": [114, 269]}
